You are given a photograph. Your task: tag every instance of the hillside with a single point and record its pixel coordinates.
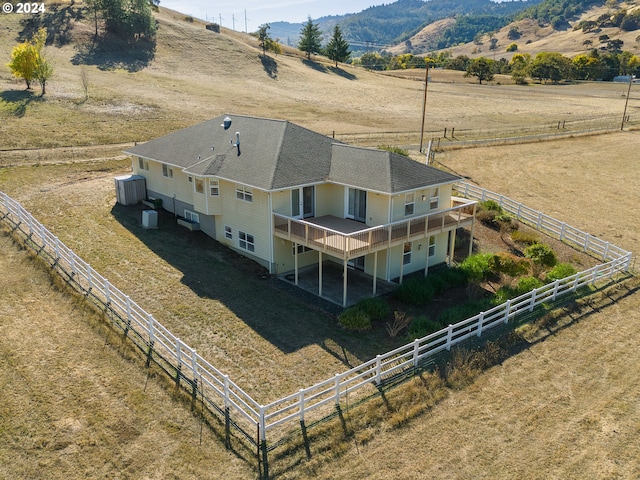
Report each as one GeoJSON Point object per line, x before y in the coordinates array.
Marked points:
{"type": "Point", "coordinates": [536, 38]}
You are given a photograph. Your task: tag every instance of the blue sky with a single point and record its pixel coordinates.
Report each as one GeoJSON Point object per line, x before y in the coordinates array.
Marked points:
{"type": "Point", "coordinates": [259, 12]}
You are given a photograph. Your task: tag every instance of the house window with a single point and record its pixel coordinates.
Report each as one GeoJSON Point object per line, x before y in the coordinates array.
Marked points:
{"type": "Point", "coordinates": [190, 179]}
{"type": "Point", "coordinates": [192, 217]}
{"type": "Point", "coordinates": [432, 246]}
{"type": "Point", "coordinates": [301, 249]}
{"type": "Point", "coordinates": [409, 204]}
{"type": "Point", "coordinates": [214, 188]}
{"type": "Point", "coordinates": [228, 233]}
{"type": "Point", "coordinates": [142, 164]}
{"type": "Point", "coordinates": [166, 171]}
{"type": "Point", "coordinates": [199, 185]}
{"type": "Point", "coordinates": [246, 242]}
{"type": "Point", "coordinates": [434, 200]}
{"type": "Point", "coordinates": [406, 256]}
{"type": "Point", "coordinates": [243, 193]}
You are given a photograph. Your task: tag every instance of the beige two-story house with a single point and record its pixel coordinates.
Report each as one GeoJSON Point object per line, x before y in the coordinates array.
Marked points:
{"type": "Point", "coordinates": [289, 198]}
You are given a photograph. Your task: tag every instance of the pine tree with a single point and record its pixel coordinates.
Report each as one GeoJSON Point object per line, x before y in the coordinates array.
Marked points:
{"type": "Point", "coordinates": [310, 38]}
{"type": "Point", "coordinates": [337, 49]}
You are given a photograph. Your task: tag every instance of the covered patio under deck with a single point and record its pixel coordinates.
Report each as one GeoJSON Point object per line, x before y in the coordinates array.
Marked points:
{"type": "Point", "coordinates": [360, 284]}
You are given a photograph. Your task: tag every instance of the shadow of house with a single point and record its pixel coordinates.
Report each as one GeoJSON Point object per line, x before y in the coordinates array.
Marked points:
{"type": "Point", "coordinates": [17, 101]}
{"type": "Point", "coordinates": [109, 52]}
{"type": "Point", "coordinates": [285, 316]}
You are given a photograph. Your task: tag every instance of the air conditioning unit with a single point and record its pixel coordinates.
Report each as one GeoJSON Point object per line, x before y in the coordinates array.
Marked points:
{"type": "Point", "coordinates": [149, 219]}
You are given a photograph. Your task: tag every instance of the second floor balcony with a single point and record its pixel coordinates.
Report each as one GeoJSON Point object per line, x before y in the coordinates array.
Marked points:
{"type": "Point", "coordinates": [346, 239]}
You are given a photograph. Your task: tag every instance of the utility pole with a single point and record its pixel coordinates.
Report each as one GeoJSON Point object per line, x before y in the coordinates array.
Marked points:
{"type": "Point", "coordinates": [233, 20]}
{"type": "Point", "coordinates": [424, 104]}
{"type": "Point", "coordinates": [626, 102]}
{"type": "Point", "coordinates": [246, 30]}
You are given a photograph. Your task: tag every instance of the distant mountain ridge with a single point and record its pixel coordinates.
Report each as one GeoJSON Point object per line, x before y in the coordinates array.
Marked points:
{"type": "Point", "coordinates": [379, 27]}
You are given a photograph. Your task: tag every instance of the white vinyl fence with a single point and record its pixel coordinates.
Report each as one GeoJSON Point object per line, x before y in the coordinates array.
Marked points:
{"type": "Point", "coordinates": [276, 420]}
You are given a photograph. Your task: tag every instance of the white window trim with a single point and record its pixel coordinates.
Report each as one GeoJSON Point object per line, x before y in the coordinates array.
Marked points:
{"type": "Point", "coordinates": [431, 248]}
{"type": "Point", "coordinates": [143, 164]}
{"type": "Point", "coordinates": [301, 249]}
{"type": "Point", "coordinates": [406, 254]}
{"type": "Point", "coordinates": [244, 193]}
{"type": "Point", "coordinates": [409, 200]}
{"type": "Point", "coordinates": [167, 171]}
{"type": "Point", "coordinates": [434, 199]}
{"type": "Point", "coordinates": [214, 186]}
{"type": "Point", "coordinates": [246, 241]}
{"type": "Point", "coordinates": [192, 217]}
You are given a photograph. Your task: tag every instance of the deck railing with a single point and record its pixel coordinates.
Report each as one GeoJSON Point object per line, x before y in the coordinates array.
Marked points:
{"type": "Point", "coordinates": [371, 239]}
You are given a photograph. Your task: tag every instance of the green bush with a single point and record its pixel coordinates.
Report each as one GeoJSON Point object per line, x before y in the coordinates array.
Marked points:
{"type": "Point", "coordinates": [422, 326]}
{"type": "Point", "coordinates": [476, 267]}
{"type": "Point", "coordinates": [376, 308]}
{"type": "Point", "coordinates": [526, 284]}
{"type": "Point", "coordinates": [355, 319]}
{"type": "Point", "coordinates": [491, 205]}
{"type": "Point", "coordinates": [527, 238]}
{"type": "Point", "coordinates": [561, 270]}
{"type": "Point", "coordinates": [508, 264]}
{"type": "Point", "coordinates": [415, 291]}
{"type": "Point", "coordinates": [541, 254]}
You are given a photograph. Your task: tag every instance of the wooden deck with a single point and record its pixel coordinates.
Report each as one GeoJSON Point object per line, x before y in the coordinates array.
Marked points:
{"type": "Point", "coordinates": [346, 239]}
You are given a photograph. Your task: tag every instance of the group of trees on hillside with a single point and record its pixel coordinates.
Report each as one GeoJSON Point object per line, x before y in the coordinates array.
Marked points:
{"type": "Point", "coordinates": [337, 49]}
{"type": "Point", "coordinates": [29, 63]}
{"type": "Point", "coordinates": [128, 19]}
{"type": "Point", "coordinates": [544, 67]}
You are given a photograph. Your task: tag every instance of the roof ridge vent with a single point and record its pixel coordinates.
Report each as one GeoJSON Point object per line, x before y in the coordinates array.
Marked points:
{"type": "Point", "coordinates": [226, 123]}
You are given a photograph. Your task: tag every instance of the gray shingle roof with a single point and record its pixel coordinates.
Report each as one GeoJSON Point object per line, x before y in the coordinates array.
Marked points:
{"type": "Point", "coordinates": [275, 154]}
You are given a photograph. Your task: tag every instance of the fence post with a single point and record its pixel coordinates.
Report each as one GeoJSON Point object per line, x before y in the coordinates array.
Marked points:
{"type": "Point", "coordinates": [586, 243]}
{"type": "Point", "coordinates": [303, 427]}
{"type": "Point", "coordinates": [562, 228]}
{"type": "Point", "coordinates": [263, 443]}
{"type": "Point", "coordinates": [378, 370]}
{"type": "Point", "coordinates": [449, 336]}
{"type": "Point", "coordinates": [227, 417]}
{"type": "Point", "coordinates": [480, 320]}
{"type": "Point", "coordinates": [57, 250]}
{"type": "Point", "coordinates": [416, 348]}
{"type": "Point", "coordinates": [107, 292]}
{"type": "Point", "coordinates": [179, 361]}
{"type": "Point", "coordinates": [539, 220]}
{"type": "Point", "coordinates": [595, 274]}
{"type": "Point", "coordinates": [151, 340]}
{"type": "Point", "coordinates": [519, 211]}
{"type": "Point", "coordinates": [194, 371]}
{"type": "Point", "coordinates": [128, 307]}
{"type": "Point", "coordinates": [606, 252]}
{"type": "Point", "coordinates": [556, 284]}
{"type": "Point", "coordinates": [337, 396]}
{"type": "Point", "coordinates": [507, 311]}
{"type": "Point", "coordinates": [533, 299]}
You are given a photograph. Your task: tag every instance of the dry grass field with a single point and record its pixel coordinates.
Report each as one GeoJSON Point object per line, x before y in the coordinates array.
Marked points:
{"type": "Point", "coordinates": [77, 403]}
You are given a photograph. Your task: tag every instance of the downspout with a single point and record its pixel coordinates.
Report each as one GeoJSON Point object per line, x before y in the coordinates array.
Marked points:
{"type": "Point", "coordinates": [387, 274]}
{"type": "Point", "coordinates": [271, 257]}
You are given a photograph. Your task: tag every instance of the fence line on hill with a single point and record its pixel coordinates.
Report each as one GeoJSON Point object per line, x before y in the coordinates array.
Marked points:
{"type": "Point", "coordinates": [291, 413]}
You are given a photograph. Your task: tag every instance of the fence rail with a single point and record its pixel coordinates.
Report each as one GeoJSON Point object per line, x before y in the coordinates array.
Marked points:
{"type": "Point", "coordinates": [276, 419]}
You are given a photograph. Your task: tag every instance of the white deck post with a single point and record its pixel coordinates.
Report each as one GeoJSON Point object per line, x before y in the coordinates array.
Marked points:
{"type": "Point", "coordinates": [473, 224]}
{"type": "Point", "coordinates": [452, 246]}
{"type": "Point", "coordinates": [295, 261]}
{"type": "Point", "coordinates": [375, 272]}
{"type": "Point", "coordinates": [344, 284]}
{"type": "Point", "coordinates": [319, 273]}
